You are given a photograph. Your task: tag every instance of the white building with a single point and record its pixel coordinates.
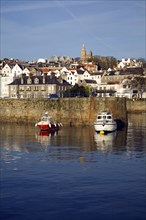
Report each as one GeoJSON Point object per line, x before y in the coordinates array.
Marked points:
{"type": "Point", "coordinates": [104, 89]}
{"type": "Point", "coordinates": [128, 63]}
{"type": "Point", "coordinates": [125, 89]}
{"type": "Point", "coordinates": [26, 71]}
{"type": "Point", "coordinates": [17, 70]}
{"type": "Point", "coordinates": [70, 75]}
{"type": "Point", "coordinates": [97, 77]}
{"type": "Point", "coordinates": [12, 70]}
{"type": "Point", "coordinates": [6, 70]}
{"type": "Point", "coordinates": [4, 88]}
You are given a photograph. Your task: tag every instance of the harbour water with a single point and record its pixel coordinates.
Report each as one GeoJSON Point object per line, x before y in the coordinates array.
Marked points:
{"type": "Point", "coordinates": [73, 174]}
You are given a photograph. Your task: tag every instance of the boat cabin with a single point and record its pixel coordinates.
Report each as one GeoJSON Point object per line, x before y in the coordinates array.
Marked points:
{"type": "Point", "coordinates": [104, 116]}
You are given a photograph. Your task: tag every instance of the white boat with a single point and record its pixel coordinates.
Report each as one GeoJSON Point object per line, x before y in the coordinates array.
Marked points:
{"type": "Point", "coordinates": [48, 124]}
{"type": "Point", "coordinates": [105, 123]}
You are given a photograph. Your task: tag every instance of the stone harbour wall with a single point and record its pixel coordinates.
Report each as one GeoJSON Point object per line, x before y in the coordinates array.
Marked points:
{"type": "Point", "coordinates": [69, 111]}
{"type": "Point", "coordinates": [136, 106]}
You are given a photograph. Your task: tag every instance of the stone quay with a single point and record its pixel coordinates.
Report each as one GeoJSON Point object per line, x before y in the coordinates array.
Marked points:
{"type": "Point", "coordinates": [68, 111]}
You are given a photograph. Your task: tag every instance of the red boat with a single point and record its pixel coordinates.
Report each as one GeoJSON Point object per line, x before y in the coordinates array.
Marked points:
{"type": "Point", "coordinates": [48, 124]}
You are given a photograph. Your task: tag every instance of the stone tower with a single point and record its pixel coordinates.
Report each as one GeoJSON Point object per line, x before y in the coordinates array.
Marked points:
{"type": "Point", "coordinates": [83, 53]}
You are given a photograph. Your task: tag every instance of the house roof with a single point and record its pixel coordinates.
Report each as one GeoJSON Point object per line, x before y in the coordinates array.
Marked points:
{"type": "Point", "coordinates": [48, 80]}
{"type": "Point", "coordinates": [137, 70]}
{"type": "Point", "coordinates": [90, 81]}
{"type": "Point", "coordinates": [80, 72]}
{"type": "Point", "coordinates": [128, 71]}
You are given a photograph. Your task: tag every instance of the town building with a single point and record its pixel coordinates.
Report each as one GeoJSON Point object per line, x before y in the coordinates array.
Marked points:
{"type": "Point", "coordinates": [124, 63]}
{"type": "Point", "coordinates": [4, 88]}
{"type": "Point", "coordinates": [37, 87]}
{"type": "Point", "coordinates": [78, 71]}
{"type": "Point", "coordinates": [84, 55]}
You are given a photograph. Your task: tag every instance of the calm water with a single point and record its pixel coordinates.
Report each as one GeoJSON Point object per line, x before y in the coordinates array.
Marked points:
{"type": "Point", "coordinates": [75, 174]}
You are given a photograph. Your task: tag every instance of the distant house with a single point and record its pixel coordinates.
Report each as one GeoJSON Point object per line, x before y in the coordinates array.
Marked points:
{"type": "Point", "coordinates": [26, 71]}
{"type": "Point", "coordinates": [37, 87]}
{"type": "Point", "coordinates": [12, 70]}
{"type": "Point", "coordinates": [90, 67]}
{"type": "Point", "coordinates": [88, 82]}
{"type": "Point", "coordinates": [6, 70]}
{"type": "Point", "coordinates": [80, 74]}
{"type": "Point", "coordinates": [75, 76]}
{"type": "Point", "coordinates": [106, 90]}
{"type": "Point", "coordinates": [119, 76]}
{"type": "Point", "coordinates": [70, 75]}
{"type": "Point", "coordinates": [128, 63]}
{"type": "Point", "coordinates": [130, 88]}
{"type": "Point", "coordinates": [17, 70]}
{"type": "Point", "coordinates": [96, 76]}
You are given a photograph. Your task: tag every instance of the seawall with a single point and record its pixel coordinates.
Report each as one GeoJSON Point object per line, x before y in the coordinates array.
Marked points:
{"type": "Point", "coordinates": [69, 111]}
{"type": "Point", "coordinates": [137, 106]}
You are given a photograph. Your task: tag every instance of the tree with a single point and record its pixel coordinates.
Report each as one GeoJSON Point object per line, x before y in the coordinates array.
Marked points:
{"type": "Point", "coordinates": [104, 62]}
{"type": "Point", "coordinates": [77, 91]}
{"type": "Point", "coordinates": [140, 84]}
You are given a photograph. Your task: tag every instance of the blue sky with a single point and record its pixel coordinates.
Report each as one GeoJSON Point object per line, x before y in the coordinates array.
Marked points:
{"type": "Point", "coordinates": [39, 29]}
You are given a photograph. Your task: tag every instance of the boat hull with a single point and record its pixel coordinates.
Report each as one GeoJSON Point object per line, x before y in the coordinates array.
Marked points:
{"type": "Point", "coordinates": [109, 127]}
{"type": "Point", "coordinates": [48, 127]}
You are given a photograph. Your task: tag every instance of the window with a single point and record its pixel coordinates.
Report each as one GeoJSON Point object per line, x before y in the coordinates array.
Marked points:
{"type": "Point", "coordinates": [36, 88]}
{"type": "Point", "coordinates": [28, 88]}
{"type": "Point", "coordinates": [36, 81]}
{"type": "Point", "coordinates": [29, 81]}
{"type": "Point", "coordinates": [43, 88]}
{"type": "Point", "coordinates": [21, 87]}
{"type": "Point", "coordinates": [29, 95]}
{"type": "Point", "coordinates": [35, 95]}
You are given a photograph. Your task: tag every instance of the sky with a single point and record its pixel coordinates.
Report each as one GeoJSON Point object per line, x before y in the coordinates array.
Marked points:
{"type": "Point", "coordinates": [33, 29]}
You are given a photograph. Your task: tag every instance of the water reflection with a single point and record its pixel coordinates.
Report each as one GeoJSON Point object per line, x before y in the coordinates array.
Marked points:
{"type": "Point", "coordinates": [74, 172]}
{"type": "Point", "coordinates": [26, 138]}
{"type": "Point", "coordinates": [105, 142]}
{"type": "Point", "coordinates": [44, 137]}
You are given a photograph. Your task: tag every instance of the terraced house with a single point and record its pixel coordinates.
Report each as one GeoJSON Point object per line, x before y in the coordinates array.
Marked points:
{"type": "Point", "coordinates": [37, 87]}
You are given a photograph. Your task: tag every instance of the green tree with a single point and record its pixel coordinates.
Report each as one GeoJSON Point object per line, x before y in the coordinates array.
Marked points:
{"type": "Point", "coordinates": [104, 62]}
{"type": "Point", "coordinates": [77, 90]}
{"type": "Point", "coordinates": [140, 84]}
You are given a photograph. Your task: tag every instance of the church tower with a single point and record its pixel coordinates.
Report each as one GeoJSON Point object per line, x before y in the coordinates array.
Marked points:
{"type": "Point", "coordinates": [90, 54]}
{"type": "Point", "coordinates": [83, 53]}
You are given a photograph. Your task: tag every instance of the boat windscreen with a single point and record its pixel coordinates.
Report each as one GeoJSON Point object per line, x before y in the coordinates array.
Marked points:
{"type": "Point", "coordinates": [109, 117]}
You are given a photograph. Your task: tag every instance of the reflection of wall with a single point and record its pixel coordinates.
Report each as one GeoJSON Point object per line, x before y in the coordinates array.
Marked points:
{"type": "Point", "coordinates": [137, 132]}
{"type": "Point", "coordinates": [17, 137]}
{"type": "Point", "coordinates": [120, 140]}
{"type": "Point", "coordinates": [73, 111]}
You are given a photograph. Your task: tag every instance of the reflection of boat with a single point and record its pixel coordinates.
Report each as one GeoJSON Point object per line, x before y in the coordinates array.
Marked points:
{"type": "Point", "coordinates": [48, 124]}
{"type": "Point", "coordinates": [44, 137]}
{"type": "Point", "coordinates": [105, 122]}
{"type": "Point", "coordinates": [105, 141]}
